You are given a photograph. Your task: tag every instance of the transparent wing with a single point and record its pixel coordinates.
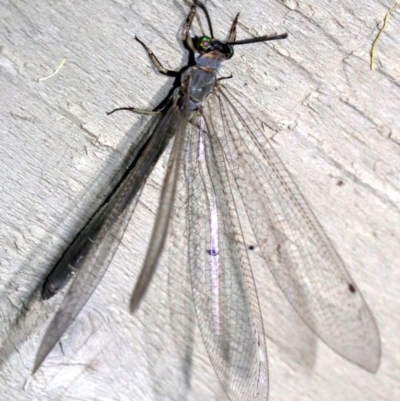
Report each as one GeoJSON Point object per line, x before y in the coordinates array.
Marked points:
{"type": "Point", "coordinates": [300, 255]}
{"type": "Point", "coordinates": [74, 256]}
{"type": "Point", "coordinates": [98, 250]}
{"type": "Point", "coordinates": [165, 208]}
{"type": "Point", "coordinates": [172, 374]}
{"type": "Point", "coordinates": [224, 292]}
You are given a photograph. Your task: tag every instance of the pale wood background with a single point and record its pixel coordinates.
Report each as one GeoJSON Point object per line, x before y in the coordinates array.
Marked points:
{"type": "Point", "coordinates": [333, 120]}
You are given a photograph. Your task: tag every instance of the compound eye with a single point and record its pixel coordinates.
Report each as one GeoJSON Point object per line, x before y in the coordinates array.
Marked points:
{"type": "Point", "coordinates": [230, 54]}
{"type": "Point", "coordinates": [204, 43]}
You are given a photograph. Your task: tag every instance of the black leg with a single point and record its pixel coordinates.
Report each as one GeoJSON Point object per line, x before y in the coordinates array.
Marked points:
{"type": "Point", "coordinates": [222, 78]}
{"type": "Point", "coordinates": [187, 40]}
{"type": "Point", "coordinates": [135, 110]}
{"type": "Point", "coordinates": [157, 63]}
{"type": "Point", "coordinates": [159, 109]}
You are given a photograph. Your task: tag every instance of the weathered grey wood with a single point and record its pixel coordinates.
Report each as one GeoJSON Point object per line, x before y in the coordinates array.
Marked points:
{"type": "Point", "coordinates": [335, 123]}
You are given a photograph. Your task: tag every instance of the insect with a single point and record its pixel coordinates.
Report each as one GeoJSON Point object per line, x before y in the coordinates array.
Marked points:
{"type": "Point", "coordinates": [226, 161]}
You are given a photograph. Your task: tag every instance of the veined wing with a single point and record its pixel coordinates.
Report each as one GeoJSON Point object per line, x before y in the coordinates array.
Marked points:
{"type": "Point", "coordinates": [300, 255]}
{"type": "Point", "coordinates": [75, 255]}
{"type": "Point", "coordinates": [224, 292]}
{"type": "Point", "coordinates": [166, 203]}
{"type": "Point", "coordinates": [171, 375]}
{"type": "Point", "coordinates": [99, 249]}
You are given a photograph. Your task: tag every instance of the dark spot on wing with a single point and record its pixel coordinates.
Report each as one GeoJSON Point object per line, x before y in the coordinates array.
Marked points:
{"type": "Point", "coordinates": [212, 252]}
{"type": "Point", "coordinates": [251, 247]}
{"type": "Point", "coordinates": [351, 288]}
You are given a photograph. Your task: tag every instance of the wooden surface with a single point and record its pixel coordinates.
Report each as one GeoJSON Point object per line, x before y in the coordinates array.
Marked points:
{"type": "Point", "coordinates": [334, 122]}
